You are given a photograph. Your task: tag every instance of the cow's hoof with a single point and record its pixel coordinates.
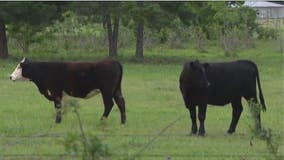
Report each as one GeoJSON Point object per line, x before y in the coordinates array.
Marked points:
{"type": "Point", "coordinates": [230, 131]}
{"type": "Point", "coordinates": [193, 133]}
{"type": "Point", "coordinates": [58, 119]}
{"type": "Point", "coordinates": [202, 134]}
{"type": "Point", "coordinates": [193, 130]}
{"type": "Point", "coordinates": [103, 118]}
{"type": "Point", "coordinates": [123, 121]}
{"type": "Point", "coordinates": [123, 125]}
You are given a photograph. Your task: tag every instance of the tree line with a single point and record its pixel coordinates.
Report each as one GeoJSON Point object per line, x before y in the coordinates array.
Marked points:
{"type": "Point", "coordinates": [209, 20]}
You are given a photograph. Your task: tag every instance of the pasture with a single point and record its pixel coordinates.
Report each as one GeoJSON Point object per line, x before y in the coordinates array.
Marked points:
{"type": "Point", "coordinates": [153, 101]}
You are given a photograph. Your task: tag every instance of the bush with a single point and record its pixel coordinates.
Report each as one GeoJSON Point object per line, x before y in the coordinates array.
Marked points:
{"type": "Point", "coordinates": [178, 35]}
{"type": "Point", "coordinates": [264, 134]}
{"type": "Point", "coordinates": [127, 38]}
{"type": "Point", "coordinates": [266, 33]}
{"type": "Point", "coordinates": [199, 38]}
{"type": "Point", "coordinates": [230, 41]}
{"type": "Point", "coordinates": [151, 38]}
{"type": "Point", "coordinates": [235, 39]}
{"type": "Point", "coordinates": [87, 146]}
{"type": "Point", "coordinates": [234, 27]}
{"type": "Point", "coordinates": [93, 149]}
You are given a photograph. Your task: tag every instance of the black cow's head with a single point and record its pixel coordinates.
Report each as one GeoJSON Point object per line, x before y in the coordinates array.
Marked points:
{"type": "Point", "coordinates": [197, 74]}
{"type": "Point", "coordinates": [22, 71]}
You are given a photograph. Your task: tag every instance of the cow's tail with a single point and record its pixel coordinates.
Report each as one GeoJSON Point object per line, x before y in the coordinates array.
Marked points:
{"type": "Point", "coordinates": [259, 88]}
{"type": "Point", "coordinates": [118, 86]}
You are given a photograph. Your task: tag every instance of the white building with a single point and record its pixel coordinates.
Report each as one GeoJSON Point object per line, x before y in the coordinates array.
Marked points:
{"type": "Point", "coordinates": [267, 10]}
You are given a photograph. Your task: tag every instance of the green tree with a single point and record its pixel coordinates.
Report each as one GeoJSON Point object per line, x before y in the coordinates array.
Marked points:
{"type": "Point", "coordinates": [26, 19]}
{"type": "Point", "coordinates": [146, 14]}
{"type": "Point", "coordinates": [108, 13]}
{"type": "Point", "coordinates": [230, 22]}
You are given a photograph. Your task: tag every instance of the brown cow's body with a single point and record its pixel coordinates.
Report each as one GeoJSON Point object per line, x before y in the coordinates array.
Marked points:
{"type": "Point", "coordinates": [77, 79]}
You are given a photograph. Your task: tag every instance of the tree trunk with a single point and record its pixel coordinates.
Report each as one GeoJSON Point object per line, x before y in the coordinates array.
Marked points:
{"type": "Point", "coordinates": [112, 35]}
{"type": "Point", "coordinates": [115, 36]}
{"type": "Point", "coordinates": [139, 42]}
{"type": "Point", "coordinates": [3, 41]}
{"type": "Point", "coordinates": [109, 33]}
{"type": "Point", "coordinates": [139, 36]}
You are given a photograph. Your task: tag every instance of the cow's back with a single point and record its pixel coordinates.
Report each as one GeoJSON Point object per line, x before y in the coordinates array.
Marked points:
{"type": "Point", "coordinates": [83, 77]}
{"type": "Point", "coordinates": [230, 80]}
{"type": "Point", "coordinates": [93, 71]}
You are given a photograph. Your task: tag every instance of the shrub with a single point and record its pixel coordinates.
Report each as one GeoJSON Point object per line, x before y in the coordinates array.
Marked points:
{"type": "Point", "coordinates": [88, 146]}
{"type": "Point", "coordinates": [199, 38]}
{"type": "Point", "coordinates": [265, 134]}
{"type": "Point", "coordinates": [151, 38]}
{"type": "Point", "coordinates": [127, 38]}
{"type": "Point", "coordinates": [178, 35]}
{"type": "Point", "coordinates": [234, 39]}
{"type": "Point", "coordinates": [266, 33]}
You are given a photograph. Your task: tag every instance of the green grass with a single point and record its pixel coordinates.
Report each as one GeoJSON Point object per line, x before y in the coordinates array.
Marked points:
{"type": "Point", "coordinates": [153, 101]}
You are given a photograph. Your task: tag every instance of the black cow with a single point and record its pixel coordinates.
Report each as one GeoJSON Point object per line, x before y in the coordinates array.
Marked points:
{"type": "Point", "coordinates": [77, 79]}
{"type": "Point", "coordinates": [219, 84]}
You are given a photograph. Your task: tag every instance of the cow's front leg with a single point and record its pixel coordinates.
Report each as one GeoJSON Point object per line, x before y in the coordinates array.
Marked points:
{"type": "Point", "coordinates": [46, 93]}
{"type": "Point", "coordinates": [57, 106]}
{"type": "Point", "coordinates": [201, 117]}
{"type": "Point", "coordinates": [192, 111]}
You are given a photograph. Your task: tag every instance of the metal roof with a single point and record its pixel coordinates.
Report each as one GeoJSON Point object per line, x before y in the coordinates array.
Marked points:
{"type": "Point", "coordinates": [263, 4]}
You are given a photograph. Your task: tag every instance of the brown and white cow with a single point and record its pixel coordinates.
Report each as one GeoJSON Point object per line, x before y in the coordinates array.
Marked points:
{"type": "Point", "coordinates": [77, 79]}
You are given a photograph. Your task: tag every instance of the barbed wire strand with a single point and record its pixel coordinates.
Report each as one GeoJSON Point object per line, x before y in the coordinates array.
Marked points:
{"type": "Point", "coordinates": [144, 155]}
{"type": "Point", "coordinates": [151, 141]}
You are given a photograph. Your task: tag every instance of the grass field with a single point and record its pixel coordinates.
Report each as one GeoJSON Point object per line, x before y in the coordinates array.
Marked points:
{"type": "Point", "coordinates": [153, 101]}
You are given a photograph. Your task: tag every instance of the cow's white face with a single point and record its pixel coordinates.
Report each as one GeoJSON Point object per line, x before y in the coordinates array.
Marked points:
{"type": "Point", "coordinates": [17, 74]}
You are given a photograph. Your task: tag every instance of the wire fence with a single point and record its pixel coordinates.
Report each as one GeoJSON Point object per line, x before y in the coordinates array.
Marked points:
{"type": "Point", "coordinates": [20, 140]}
{"type": "Point", "coordinates": [144, 155]}
{"type": "Point", "coordinates": [12, 140]}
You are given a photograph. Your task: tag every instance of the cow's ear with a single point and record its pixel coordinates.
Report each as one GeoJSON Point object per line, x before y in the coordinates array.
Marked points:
{"type": "Point", "coordinates": [26, 60]}
{"type": "Point", "coordinates": [206, 65]}
{"type": "Point", "coordinates": [192, 65]}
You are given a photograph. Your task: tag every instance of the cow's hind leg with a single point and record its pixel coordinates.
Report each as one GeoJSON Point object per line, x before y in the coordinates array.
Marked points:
{"type": "Point", "coordinates": [237, 109]}
{"type": "Point", "coordinates": [201, 117]}
{"type": "Point", "coordinates": [119, 100]}
{"type": "Point", "coordinates": [108, 104]}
